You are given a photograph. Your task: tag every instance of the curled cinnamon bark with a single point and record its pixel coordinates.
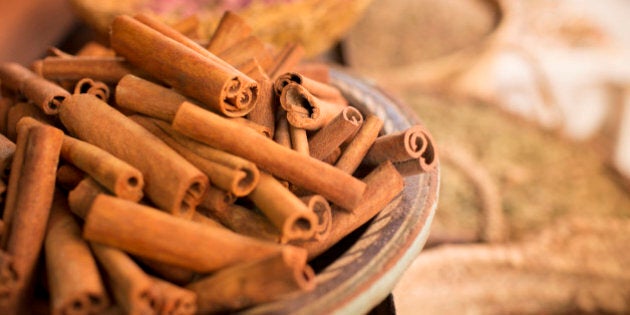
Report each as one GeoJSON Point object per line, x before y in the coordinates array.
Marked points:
{"type": "Point", "coordinates": [299, 140]}
{"type": "Point", "coordinates": [264, 111]}
{"type": "Point", "coordinates": [320, 90]}
{"type": "Point", "coordinates": [231, 30]}
{"type": "Point", "coordinates": [304, 110]}
{"type": "Point", "coordinates": [122, 179]}
{"type": "Point", "coordinates": [143, 231]}
{"type": "Point", "coordinates": [286, 211]}
{"type": "Point", "coordinates": [171, 182]}
{"type": "Point", "coordinates": [229, 173]}
{"type": "Point", "coordinates": [249, 47]}
{"type": "Point", "coordinates": [245, 221]}
{"type": "Point", "coordinates": [383, 184]}
{"type": "Point", "coordinates": [261, 281]}
{"type": "Point", "coordinates": [69, 176]}
{"type": "Point", "coordinates": [148, 98]}
{"type": "Point", "coordinates": [29, 198]}
{"type": "Point", "coordinates": [96, 88]}
{"type": "Point", "coordinates": [133, 289]}
{"type": "Point", "coordinates": [175, 299]}
{"type": "Point", "coordinates": [398, 147]}
{"type": "Point", "coordinates": [105, 69]}
{"type": "Point", "coordinates": [331, 136]}
{"type": "Point", "coordinates": [45, 94]}
{"type": "Point", "coordinates": [81, 197]}
{"type": "Point", "coordinates": [7, 150]}
{"type": "Point", "coordinates": [73, 277]}
{"type": "Point", "coordinates": [319, 205]}
{"type": "Point", "coordinates": [425, 163]}
{"type": "Point", "coordinates": [19, 110]}
{"type": "Point", "coordinates": [356, 150]}
{"type": "Point", "coordinates": [216, 199]}
{"type": "Point", "coordinates": [304, 171]}
{"type": "Point", "coordinates": [218, 86]}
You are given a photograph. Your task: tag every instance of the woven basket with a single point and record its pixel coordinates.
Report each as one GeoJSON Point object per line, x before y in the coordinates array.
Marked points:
{"type": "Point", "coordinates": [316, 24]}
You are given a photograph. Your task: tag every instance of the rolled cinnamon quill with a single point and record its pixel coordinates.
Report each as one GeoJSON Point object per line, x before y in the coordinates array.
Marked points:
{"type": "Point", "coordinates": [383, 184]}
{"type": "Point", "coordinates": [223, 89]}
{"type": "Point", "coordinates": [331, 136]}
{"type": "Point", "coordinates": [398, 147]}
{"type": "Point", "coordinates": [304, 171]}
{"type": "Point", "coordinates": [20, 110]}
{"type": "Point", "coordinates": [231, 30]}
{"type": "Point", "coordinates": [304, 110]}
{"type": "Point", "coordinates": [245, 221]}
{"type": "Point", "coordinates": [69, 176]}
{"type": "Point", "coordinates": [73, 277]}
{"type": "Point", "coordinates": [299, 140]}
{"type": "Point", "coordinates": [81, 197]}
{"type": "Point", "coordinates": [122, 179]}
{"type": "Point", "coordinates": [286, 211]}
{"type": "Point", "coordinates": [143, 231]}
{"type": "Point", "coordinates": [425, 163]}
{"type": "Point", "coordinates": [233, 175]}
{"type": "Point", "coordinates": [148, 98]}
{"type": "Point", "coordinates": [29, 198]}
{"type": "Point", "coordinates": [320, 90]}
{"type": "Point", "coordinates": [216, 199]}
{"type": "Point", "coordinates": [133, 290]}
{"type": "Point", "coordinates": [356, 150]}
{"type": "Point", "coordinates": [96, 88]}
{"type": "Point", "coordinates": [171, 182]}
{"type": "Point", "coordinates": [319, 205]}
{"type": "Point", "coordinates": [45, 94]}
{"type": "Point", "coordinates": [256, 282]}
{"type": "Point", "coordinates": [7, 150]}
{"type": "Point", "coordinates": [175, 299]}
{"type": "Point", "coordinates": [105, 69]}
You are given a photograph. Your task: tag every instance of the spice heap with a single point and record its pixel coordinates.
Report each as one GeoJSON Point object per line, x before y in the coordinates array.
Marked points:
{"type": "Point", "coordinates": [206, 182]}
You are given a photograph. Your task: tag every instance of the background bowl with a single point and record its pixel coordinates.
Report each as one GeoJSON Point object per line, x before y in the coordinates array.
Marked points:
{"type": "Point", "coordinates": [361, 270]}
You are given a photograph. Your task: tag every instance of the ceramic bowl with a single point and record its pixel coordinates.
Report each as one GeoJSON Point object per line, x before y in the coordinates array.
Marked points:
{"type": "Point", "coordinates": [361, 270]}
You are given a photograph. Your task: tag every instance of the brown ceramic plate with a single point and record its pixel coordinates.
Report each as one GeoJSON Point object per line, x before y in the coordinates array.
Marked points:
{"type": "Point", "coordinates": [360, 271]}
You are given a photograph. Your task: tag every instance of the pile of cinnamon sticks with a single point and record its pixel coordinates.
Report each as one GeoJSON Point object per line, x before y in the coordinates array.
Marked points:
{"type": "Point", "coordinates": [165, 175]}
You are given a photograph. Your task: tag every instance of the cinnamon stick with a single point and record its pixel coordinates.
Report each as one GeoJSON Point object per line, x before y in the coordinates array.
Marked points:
{"type": "Point", "coordinates": [29, 198]}
{"type": "Point", "coordinates": [45, 94]}
{"type": "Point", "coordinates": [306, 111]}
{"type": "Point", "coordinates": [264, 111]}
{"type": "Point", "coordinates": [286, 211]}
{"type": "Point", "coordinates": [320, 90]}
{"type": "Point", "coordinates": [299, 169]}
{"type": "Point", "coordinates": [95, 49]}
{"type": "Point", "coordinates": [133, 289]}
{"type": "Point", "coordinates": [383, 184]}
{"type": "Point", "coordinates": [398, 147]}
{"type": "Point", "coordinates": [171, 182]}
{"type": "Point", "coordinates": [333, 156]}
{"type": "Point", "coordinates": [96, 88]}
{"type": "Point", "coordinates": [81, 197]}
{"type": "Point", "coordinates": [247, 48]}
{"type": "Point", "coordinates": [245, 221]}
{"type": "Point", "coordinates": [425, 163]}
{"type": "Point", "coordinates": [120, 178]}
{"type": "Point", "coordinates": [69, 176]}
{"type": "Point", "coordinates": [231, 174]}
{"type": "Point", "coordinates": [105, 69]}
{"type": "Point", "coordinates": [331, 136]}
{"type": "Point", "coordinates": [319, 205]}
{"type": "Point", "coordinates": [175, 299]}
{"type": "Point", "coordinates": [19, 110]}
{"type": "Point", "coordinates": [188, 26]}
{"type": "Point", "coordinates": [299, 140]}
{"type": "Point", "coordinates": [219, 87]}
{"type": "Point", "coordinates": [318, 71]}
{"type": "Point", "coordinates": [216, 199]}
{"type": "Point", "coordinates": [356, 150]}
{"type": "Point", "coordinates": [142, 231]}
{"type": "Point", "coordinates": [178, 275]}
{"type": "Point", "coordinates": [7, 151]}
{"type": "Point", "coordinates": [73, 277]}
{"type": "Point", "coordinates": [252, 283]}
{"type": "Point", "coordinates": [148, 98]}
{"type": "Point", "coordinates": [6, 103]}
{"type": "Point", "coordinates": [230, 30]}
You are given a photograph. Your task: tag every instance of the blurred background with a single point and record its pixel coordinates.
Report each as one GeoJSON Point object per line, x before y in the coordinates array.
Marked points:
{"type": "Point", "coordinates": [528, 102]}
